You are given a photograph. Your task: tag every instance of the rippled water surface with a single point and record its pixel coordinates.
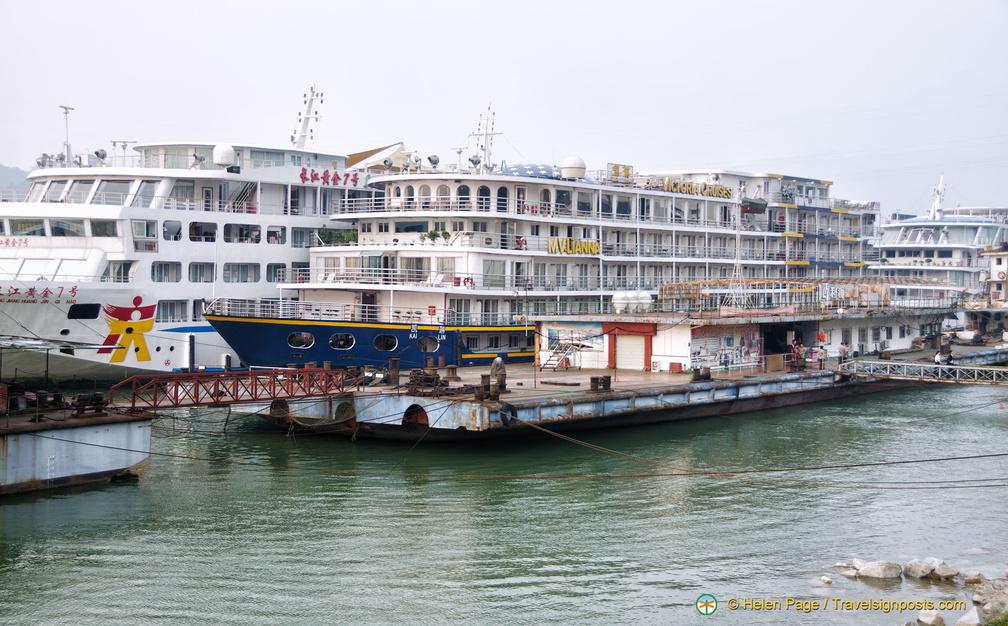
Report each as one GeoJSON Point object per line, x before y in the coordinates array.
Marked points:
{"type": "Point", "coordinates": [253, 527]}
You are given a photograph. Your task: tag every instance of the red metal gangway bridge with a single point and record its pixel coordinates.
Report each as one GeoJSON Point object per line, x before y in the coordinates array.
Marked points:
{"type": "Point", "coordinates": [175, 390]}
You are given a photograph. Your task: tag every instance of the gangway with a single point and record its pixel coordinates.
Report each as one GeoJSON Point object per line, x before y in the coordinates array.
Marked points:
{"type": "Point", "coordinates": [176, 390]}
{"type": "Point", "coordinates": [905, 370]}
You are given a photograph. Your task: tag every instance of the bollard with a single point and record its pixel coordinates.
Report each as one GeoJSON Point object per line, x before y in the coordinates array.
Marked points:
{"type": "Point", "coordinates": [594, 380]}
{"type": "Point", "coordinates": [606, 382]}
{"type": "Point", "coordinates": [440, 361]}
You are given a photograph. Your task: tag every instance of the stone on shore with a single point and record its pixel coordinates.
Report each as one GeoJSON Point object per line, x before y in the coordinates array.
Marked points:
{"type": "Point", "coordinates": [849, 573]}
{"type": "Point", "coordinates": [826, 580]}
{"type": "Point", "coordinates": [880, 569]}
{"type": "Point", "coordinates": [972, 618]}
{"type": "Point", "coordinates": [973, 578]}
{"type": "Point", "coordinates": [930, 618]}
{"type": "Point", "coordinates": [917, 569]}
{"type": "Point", "coordinates": [944, 572]}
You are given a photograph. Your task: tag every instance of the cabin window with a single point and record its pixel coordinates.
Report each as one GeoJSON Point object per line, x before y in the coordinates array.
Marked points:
{"type": "Point", "coordinates": [502, 199]}
{"type": "Point", "coordinates": [197, 310]}
{"type": "Point", "coordinates": [55, 191]}
{"type": "Point", "coordinates": [472, 342]}
{"type": "Point", "coordinates": [241, 272]}
{"type": "Point", "coordinates": [266, 158]}
{"type": "Point", "coordinates": [112, 192]}
{"type": "Point", "coordinates": [28, 228]}
{"type": "Point", "coordinates": [182, 195]}
{"type": "Point", "coordinates": [145, 194]}
{"type": "Point", "coordinates": [483, 198]}
{"type": "Point", "coordinates": [84, 312]}
{"type": "Point", "coordinates": [411, 227]}
{"type": "Point", "coordinates": [607, 204]}
{"type": "Point", "coordinates": [584, 203]}
{"type": "Point", "coordinates": [365, 227]}
{"type": "Point", "coordinates": [479, 227]}
{"type": "Point", "coordinates": [117, 272]}
{"type": "Point", "coordinates": [458, 226]}
{"type": "Point", "coordinates": [300, 340]}
{"type": "Point", "coordinates": [67, 228]}
{"type": "Point", "coordinates": [275, 272]}
{"type": "Point", "coordinates": [463, 197]}
{"type": "Point", "coordinates": [171, 310]}
{"type": "Point", "coordinates": [563, 198]}
{"type": "Point", "coordinates": [385, 343]}
{"type": "Point", "coordinates": [342, 341]}
{"type": "Point", "coordinates": [201, 272]}
{"type": "Point", "coordinates": [171, 230]}
{"type": "Point", "coordinates": [202, 231]}
{"type": "Point", "coordinates": [383, 227]}
{"type": "Point", "coordinates": [242, 233]}
{"type": "Point", "coordinates": [276, 234]}
{"type": "Point", "coordinates": [79, 190]}
{"type": "Point", "coordinates": [166, 271]}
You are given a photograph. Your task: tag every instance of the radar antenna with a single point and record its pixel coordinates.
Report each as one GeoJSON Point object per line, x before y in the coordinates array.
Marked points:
{"type": "Point", "coordinates": [66, 146]}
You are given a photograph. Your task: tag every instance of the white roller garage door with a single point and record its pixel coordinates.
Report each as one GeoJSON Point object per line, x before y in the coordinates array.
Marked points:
{"type": "Point", "coordinates": [630, 352]}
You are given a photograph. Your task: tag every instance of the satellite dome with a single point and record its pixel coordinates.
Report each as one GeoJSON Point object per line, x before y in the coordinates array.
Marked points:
{"type": "Point", "coordinates": [224, 154]}
{"type": "Point", "coordinates": [573, 167]}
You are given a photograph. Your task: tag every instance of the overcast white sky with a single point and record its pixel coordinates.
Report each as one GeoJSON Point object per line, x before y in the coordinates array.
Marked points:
{"type": "Point", "coordinates": [880, 97]}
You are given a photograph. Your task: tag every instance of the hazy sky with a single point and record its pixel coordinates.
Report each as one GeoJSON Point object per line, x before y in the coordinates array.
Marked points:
{"type": "Point", "coordinates": [879, 97]}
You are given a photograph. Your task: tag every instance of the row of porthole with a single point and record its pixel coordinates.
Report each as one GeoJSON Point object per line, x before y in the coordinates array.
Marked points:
{"type": "Point", "coordinates": [346, 341]}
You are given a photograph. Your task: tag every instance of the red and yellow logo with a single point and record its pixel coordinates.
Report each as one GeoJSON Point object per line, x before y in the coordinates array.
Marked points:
{"type": "Point", "coordinates": [127, 326]}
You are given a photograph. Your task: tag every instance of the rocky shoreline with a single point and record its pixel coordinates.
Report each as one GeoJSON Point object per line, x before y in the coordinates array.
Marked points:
{"type": "Point", "coordinates": [990, 597]}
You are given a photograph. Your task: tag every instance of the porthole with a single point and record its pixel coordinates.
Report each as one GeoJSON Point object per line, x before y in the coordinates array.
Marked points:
{"type": "Point", "coordinates": [385, 343]}
{"type": "Point", "coordinates": [342, 341]}
{"type": "Point", "coordinates": [300, 340]}
{"type": "Point", "coordinates": [428, 344]}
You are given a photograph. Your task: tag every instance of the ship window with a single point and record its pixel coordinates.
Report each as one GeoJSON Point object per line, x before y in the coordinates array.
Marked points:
{"type": "Point", "coordinates": [275, 272]}
{"type": "Point", "coordinates": [144, 229]}
{"type": "Point", "coordinates": [276, 234]}
{"type": "Point", "coordinates": [301, 237]}
{"type": "Point", "coordinates": [266, 158]}
{"type": "Point", "coordinates": [84, 312]}
{"type": "Point", "coordinates": [3, 228]}
{"type": "Point", "coordinates": [300, 340]}
{"type": "Point", "coordinates": [182, 195]}
{"type": "Point", "coordinates": [623, 206]}
{"type": "Point", "coordinates": [171, 310]}
{"type": "Point", "coordinates": [428, 344]}
{"type": "Point", "coordinates": [493, 341]}
{"type": "Point", "coordinates": [563, 198]}
{"type": "Point", "coordinates": [55, 191]}
{"type": "Point", "coordinates": [201, 272]}
{"type": "Point", "coordinates": [241, 233]}
{"type": "Point", "coordinates": [502, 199]}
{"type": "Point", "coordinates": [202, 231]}
{"type": "Point", "coordinates": [79, 190]}
{"type": "Point", "coordinates": [483, 198]}
{"type": "Point", "coordinates": [241, 272]}
{"type": "Point", "coordinates": [411, 227]}
{"type": "Point", "coordinates": [607, 204]}
{"type": "Point", "coordinates": [472, 342]}
{"type": "Point", "coordinates": [197, 310]}
{"type": "Point", "coordinates": [67, 228]}
{"type": "Point", "coordinates": [145, 194]}
{"type": "Point", "coordinates": [28, 228]}
{"type": "Point", "coordinates": [166, 271]}
{"type": "Point", "coordinates": [385, 343]}
{"type": "Point", "coordinates": [172, 230]}
{"type": "Point", "coordinates": [463, 197]}
{"type": "Point", "coordinates": [112, 192]}
{"type": "Point", "coordinates": [584, 204]}
{"type": "Point", "coordinates": [117, 272]}
{"type": "Point", "coordinates": [342, 341]}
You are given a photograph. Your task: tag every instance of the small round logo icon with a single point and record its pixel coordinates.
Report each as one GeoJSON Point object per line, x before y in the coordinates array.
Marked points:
{"type": "Point", "coordinates": [706, 604]}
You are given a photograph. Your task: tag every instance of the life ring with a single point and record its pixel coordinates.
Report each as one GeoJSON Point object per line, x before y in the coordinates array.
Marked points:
{"type": "Point", "coordinates": [1001, 275]}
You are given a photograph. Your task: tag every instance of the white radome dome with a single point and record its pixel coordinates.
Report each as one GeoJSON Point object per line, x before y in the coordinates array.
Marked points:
{"type": "Point", "coordinates": [223, 154]}
{"type": "Point", "coordinates": [573, 167]}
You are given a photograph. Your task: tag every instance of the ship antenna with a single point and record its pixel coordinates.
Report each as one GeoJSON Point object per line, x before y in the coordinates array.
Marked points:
{"type": "Point", "coordinates": [939, 195]}
{"type": "Point", "coordinates": [66, 146]}
{"type": "Point", "coordinates": [303, 133]}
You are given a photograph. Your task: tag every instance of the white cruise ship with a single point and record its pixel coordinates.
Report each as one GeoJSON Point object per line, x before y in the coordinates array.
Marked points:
{"type": "Point", "coordinates": [450, 260]}
{"type": "Point", "coordinates": [943, 254]}
{"type": "Point", "coordinates": [107, 258]}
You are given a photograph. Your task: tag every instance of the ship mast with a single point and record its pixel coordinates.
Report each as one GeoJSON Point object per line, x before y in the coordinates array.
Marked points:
{"type": "Point", "coordinates": [303, 132]}
{"type": "Point", "coordinates": [939, 194]}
